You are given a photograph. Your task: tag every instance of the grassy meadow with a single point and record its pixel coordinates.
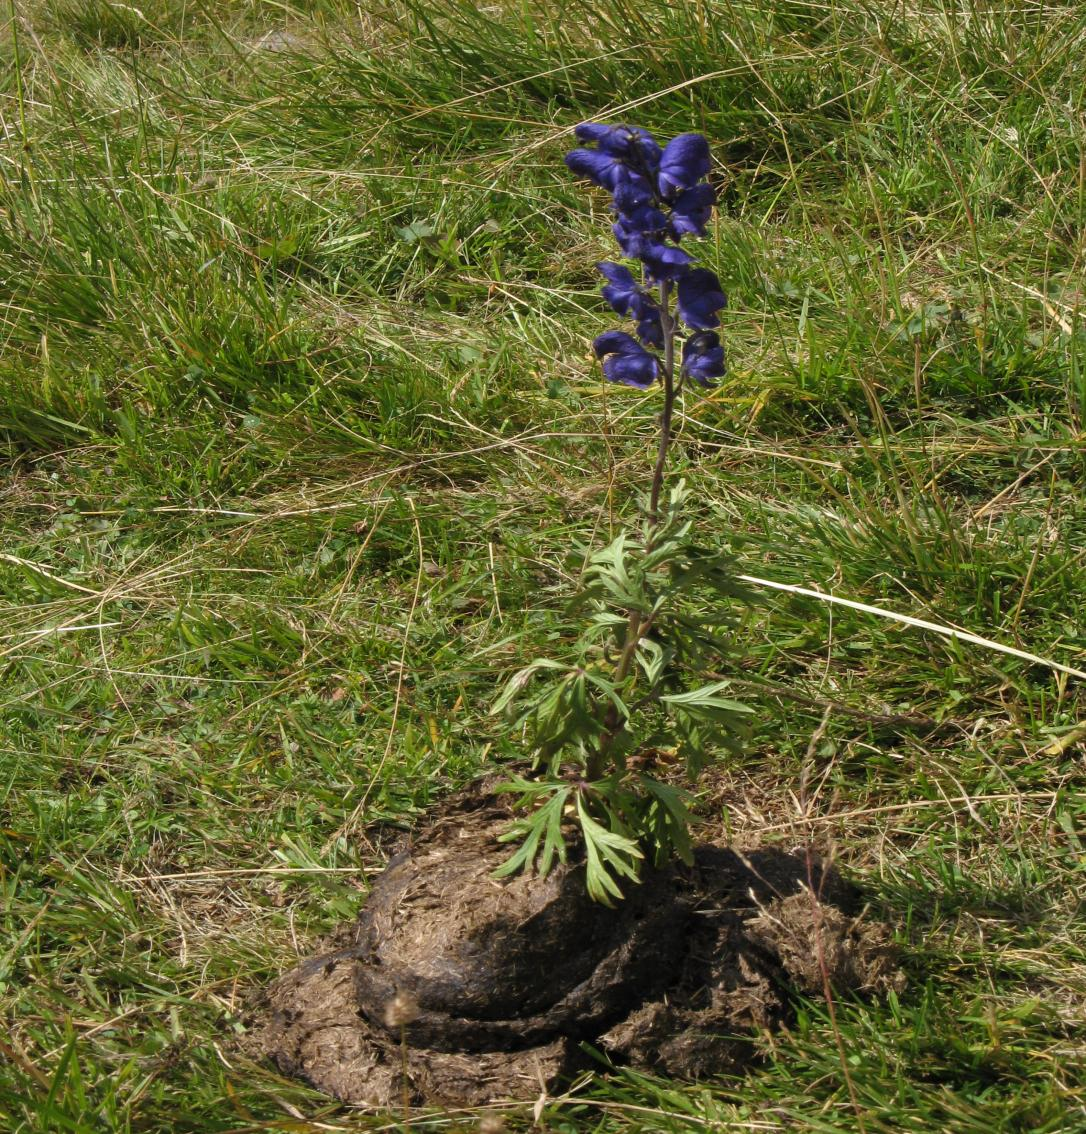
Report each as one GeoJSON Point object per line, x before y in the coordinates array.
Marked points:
{"type": "Point", "coordinates": [299, 429]}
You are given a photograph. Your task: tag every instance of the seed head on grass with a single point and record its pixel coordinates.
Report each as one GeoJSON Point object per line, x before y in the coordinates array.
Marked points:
{"type": "Point", "coordinates": [400, 1011]}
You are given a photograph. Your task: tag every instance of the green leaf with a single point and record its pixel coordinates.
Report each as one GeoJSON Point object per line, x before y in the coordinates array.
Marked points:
{"type": "Point", "coordinates": [606, 852]}
{"type": "Point", "coordinates": [529, 790]}
{"type": "Point", "coordinates": [518, 682]}
{"type": "Point", "coordinates": [415, 231]}
{"type": "Point", "coordinates": [553, 843]}
{"type": "Point", "coordinates": [531, 830]}
{"type": "Point", "coordinates": [669, 819]}
{"type": "Point", "coordinates": [706, 702]}
{"type": "Point", "coordinates": [652, 659]}
{"type": "Point", "coordinates": [607, 570]}
{"type": "Point", "coordinates": [544, 825]}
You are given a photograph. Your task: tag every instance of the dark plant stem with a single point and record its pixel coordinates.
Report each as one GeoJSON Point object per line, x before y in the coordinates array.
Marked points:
{"type": "Point", "coordinates": [405, 1082]}
{"type": "Point", "coordinates": [637, 626]}
{"type": "Point", "coordinates": [668, 324]}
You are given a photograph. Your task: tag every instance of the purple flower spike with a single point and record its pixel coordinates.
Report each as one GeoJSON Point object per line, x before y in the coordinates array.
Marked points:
{"type": "Point", "coordinates": [658, 197]}
{"type": "Point", "coordinates": [703, 358]}
{"type": "Point", "coordinates": [700, 298]}
{"type": "Point", "coordinates": [684, 162]}
{"type": "Point", "coordinates": [625, 360]}
{"type": "Point", "coordinates": [692, 210]}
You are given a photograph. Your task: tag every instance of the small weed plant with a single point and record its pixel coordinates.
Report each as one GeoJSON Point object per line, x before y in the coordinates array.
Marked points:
{"type": "Point", "coordinates": [631, 692]}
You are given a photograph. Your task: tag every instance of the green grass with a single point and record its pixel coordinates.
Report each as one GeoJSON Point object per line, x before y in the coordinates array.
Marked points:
{"type": "Point", "coordinates": [298, 430]}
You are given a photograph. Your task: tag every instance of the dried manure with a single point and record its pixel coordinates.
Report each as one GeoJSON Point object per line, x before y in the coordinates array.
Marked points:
{"type": "Point", "coordinates": [479, 989]}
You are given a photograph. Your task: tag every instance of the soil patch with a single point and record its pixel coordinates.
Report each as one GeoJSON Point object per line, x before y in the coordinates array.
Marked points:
{"type": "Point", "coordinates": [472, 990]}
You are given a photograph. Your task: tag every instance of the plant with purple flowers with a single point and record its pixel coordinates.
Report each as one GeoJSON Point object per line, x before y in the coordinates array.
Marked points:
{"type": "Point", "coordinates": [632, 694]}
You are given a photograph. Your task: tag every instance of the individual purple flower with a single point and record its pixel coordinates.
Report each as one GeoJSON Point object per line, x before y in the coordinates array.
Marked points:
{"type": "Point", "coordinates": [703, 358]}
{"type": "Point", "coordinates": [664, 262]}
{"type": "Point", "coordinates": [594, 132]}
{"type": "Point", "coordinates": [625, 360]}
{"type": "Point", "coordinates": [650, 327]}
{"type": "Point", "coordinates": [621, 291]}
{"type": "Point", "coordinates": [638, 229]}
{"type": "Point", "coordinates": [700, 298]}
{"type": "Point", "coordinates": [683, 163]}
{"type": "Point", "coordinates": [630, 143]}
{"type": "Point", "coordinates": [692, 210]}
{"type": "Point", "coordinates": [595, 166]}
{"type": "Point", "coordinates": [627, 297]}
{"type": "Point", "coordinates": [629, 241]}
{"type": "Point", "coordinates": [632, 192]}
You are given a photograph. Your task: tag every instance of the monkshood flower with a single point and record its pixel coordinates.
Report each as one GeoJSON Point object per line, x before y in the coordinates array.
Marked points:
{"type": "Point", "coordinates": [627, 297]}
{"type": "Point", "coordinates": [691, 211]}
{"type": "Point", "coordinates": [664, 263]}
{"type": "Point", "coordinates": [683, 163]}
{"type": "Point", "coordinates": [625, 360]}
{"type": "Point", "coordinates": [650, 328]}
{"type": "Point", "coordinates": [622, 291]}
{"type": "Point", "coordinates": [700, 298]}
{"type": "Point", "coordinates": [596, 166]}
{"type": "Point", "coordinates": [703, 358]}
{"type": "Point", "coordinates": [622, 141]}
{"type": "Point", "coordinates": [659, 194]}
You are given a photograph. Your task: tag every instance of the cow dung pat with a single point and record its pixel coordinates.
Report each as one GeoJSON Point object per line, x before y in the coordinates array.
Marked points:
{"type": "Point", "coordinates": [479, 989]}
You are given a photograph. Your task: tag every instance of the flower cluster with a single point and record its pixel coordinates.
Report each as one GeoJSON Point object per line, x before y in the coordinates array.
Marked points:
{"type": "Point", "coordinates": [658, 195]}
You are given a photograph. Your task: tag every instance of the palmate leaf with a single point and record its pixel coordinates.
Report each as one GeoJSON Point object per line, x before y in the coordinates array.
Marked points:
{"type": "Point", "coordinates": [616, 576]}
{"type": "Point", "coordinates": [543, 826]}
{"type": "Point", "coordinates": [706, 703]}
{"type": "Point", "coordinates": [668, 819]}
{"type": "Point", "coordinates": [606, 621]}
{"type": "Point", "coordinates": [566, 699]}
{"type": "Point", "coordinates": [713, 574]}
{"type": "Point", "coordinates": [560, 708]}
{"type": "Point", "coordinates": [607, 854]}
{"type": "Point", "coordinates": [612, 558]}
{"type": "Point", "coordinates": [652, 658]}
{"type": "Point", "coordinates": [518, 682]}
